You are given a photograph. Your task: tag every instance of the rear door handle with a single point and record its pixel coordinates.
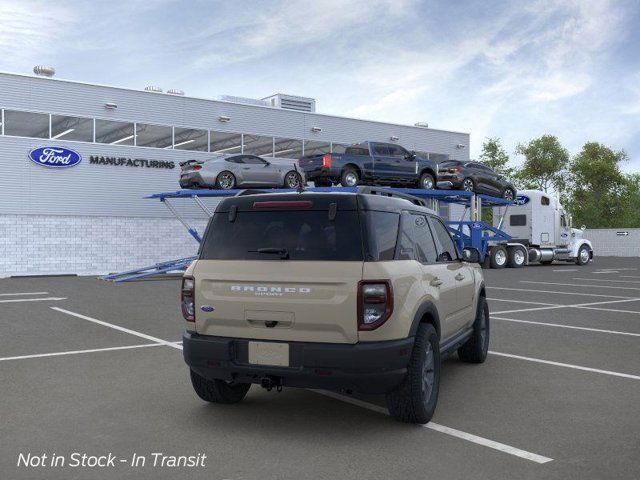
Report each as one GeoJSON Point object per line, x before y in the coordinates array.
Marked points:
{"type": "Point", "coordinates": [459, 277]}
{"type": "Point", "coordinates": [436, 282]}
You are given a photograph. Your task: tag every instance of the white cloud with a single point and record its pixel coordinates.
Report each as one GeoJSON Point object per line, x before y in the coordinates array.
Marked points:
{"type": "Point", "coordinates": [31, 30]}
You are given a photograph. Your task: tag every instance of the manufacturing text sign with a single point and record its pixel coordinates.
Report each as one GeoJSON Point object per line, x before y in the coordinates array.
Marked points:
{"type": "Point", "coordinates": [55, 157]}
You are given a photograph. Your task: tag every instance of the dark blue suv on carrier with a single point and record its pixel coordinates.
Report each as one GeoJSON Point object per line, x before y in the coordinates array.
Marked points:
{"type": "Point", "coordinates": [371, 163]}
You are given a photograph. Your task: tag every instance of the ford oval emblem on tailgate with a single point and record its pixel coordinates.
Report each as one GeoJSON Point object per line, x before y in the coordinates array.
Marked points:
{"type": "Point", "coordinates": [207, 308]}
{"type": "Point", "coordinates": [56, 157]}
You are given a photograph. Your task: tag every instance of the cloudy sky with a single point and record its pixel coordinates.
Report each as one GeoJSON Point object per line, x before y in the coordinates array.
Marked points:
{"type": "Point", "coordinates": [510, 69]}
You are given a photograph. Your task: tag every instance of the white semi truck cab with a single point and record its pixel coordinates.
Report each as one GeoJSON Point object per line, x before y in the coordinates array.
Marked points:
{"type": "Point", "coordinates": [540, 231]}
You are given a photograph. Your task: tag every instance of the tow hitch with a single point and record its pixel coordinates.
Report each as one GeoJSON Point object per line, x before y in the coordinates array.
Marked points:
{"type": "Point", "coordinates": [271, 382]}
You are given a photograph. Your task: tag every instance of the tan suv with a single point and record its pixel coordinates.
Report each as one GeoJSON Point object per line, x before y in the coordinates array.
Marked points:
{"type": "Point", "coordinates": [359, 292]}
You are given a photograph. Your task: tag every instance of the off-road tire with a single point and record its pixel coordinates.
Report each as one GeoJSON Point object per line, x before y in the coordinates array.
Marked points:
{"type": "Point", "coordinates": [514, 260]}
{"type": "Point", "coordinates": [220, 179]}
{"type": "Point", "coordinates": [345, 177]}
{"type": "Point", "coordinates": [497, 259]}
{"type": "Point", "coordinates": [424, 179]}
{"type": "Point", "coordinates": [218, 391]}
{"type": "Point", "coordinates": [410, 402]}
{"type": "Point", "coordinates": [476, 348]}
{"type": "Point", "coordinates": [579, 258]}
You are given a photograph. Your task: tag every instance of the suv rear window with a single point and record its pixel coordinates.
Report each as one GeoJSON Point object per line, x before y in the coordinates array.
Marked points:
{"type": "Point", "coordinates": [304, 234]}
{"type": "Point", "coordinates": [357, 150]}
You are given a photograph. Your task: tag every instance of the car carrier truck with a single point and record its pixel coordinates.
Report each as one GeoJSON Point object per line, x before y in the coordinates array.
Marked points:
{"type": "Point", "coordinates": [540, 231]}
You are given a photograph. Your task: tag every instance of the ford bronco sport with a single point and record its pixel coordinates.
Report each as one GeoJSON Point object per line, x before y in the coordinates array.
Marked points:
{"type": "Point", "coordinates": [359, 292]}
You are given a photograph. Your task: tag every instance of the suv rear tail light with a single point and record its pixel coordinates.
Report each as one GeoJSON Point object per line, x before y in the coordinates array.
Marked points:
{"type": "Point", "coordinates": [187, 299]}
{"type": "Point", "coordinates": [375, 303]}
{"type": "Point", "coordinates": [326, 160]}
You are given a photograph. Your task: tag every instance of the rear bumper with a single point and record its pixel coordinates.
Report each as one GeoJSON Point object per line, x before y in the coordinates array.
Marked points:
{"type": "Point", "coordinates": [371, 367]}
{"type": "Point", "coordinates": [454, 180]}
{"type": "Point", "coordinates": [321, 172]}
{"type": "Point", "coordinates": [192, 180]}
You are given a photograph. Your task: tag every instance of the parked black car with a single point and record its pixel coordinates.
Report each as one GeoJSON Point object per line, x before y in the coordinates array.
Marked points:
{"type": "Point", "coordinates": [475, 177]}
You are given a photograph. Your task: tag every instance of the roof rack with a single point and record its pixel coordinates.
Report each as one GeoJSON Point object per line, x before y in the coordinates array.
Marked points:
{"type": "Point", "coordinates": [386, 192]}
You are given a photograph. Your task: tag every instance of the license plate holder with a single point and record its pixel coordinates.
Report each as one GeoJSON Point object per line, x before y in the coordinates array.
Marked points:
{"type": "Point", "coordinates": [269, 353]}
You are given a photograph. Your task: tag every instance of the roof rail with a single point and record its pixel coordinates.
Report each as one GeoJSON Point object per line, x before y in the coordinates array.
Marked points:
{"type": "Point", "coordinates": [387, 192]}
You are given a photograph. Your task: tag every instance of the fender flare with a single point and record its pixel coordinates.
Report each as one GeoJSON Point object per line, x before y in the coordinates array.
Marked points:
{"type": "Point", "coordinates": [426, 307]}
{"type": "Point", "coordinates": [576, 247]}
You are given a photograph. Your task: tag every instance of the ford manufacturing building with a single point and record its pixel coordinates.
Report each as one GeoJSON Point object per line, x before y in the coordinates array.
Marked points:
{"type": "Point", "coordinates": [91, 217]}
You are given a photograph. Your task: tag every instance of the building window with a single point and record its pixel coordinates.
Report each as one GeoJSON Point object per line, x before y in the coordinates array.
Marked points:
{"type": "Point", "coordinates": [258, 145]}
{"type": "Point", "coordinates": [312, 147]}
{"type": "Point", "coordinates": [157, 136]}
{"type": "Point", "coordinates": [225, 142]}
{"type": "Point", "coordinates": [190, 139]}
{"type": "Point", "coordinates": [287, 148]}
{"type": "Point", "coordinates": [72, 128]}
{"type": "Point", "coordinates": [114, 133]}
{"type": "Point", "coordinates": [26, 124]}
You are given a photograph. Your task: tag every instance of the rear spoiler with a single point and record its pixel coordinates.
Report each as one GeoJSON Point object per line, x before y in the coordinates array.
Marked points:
{"type": "Point", "coordinates": [189, 162]}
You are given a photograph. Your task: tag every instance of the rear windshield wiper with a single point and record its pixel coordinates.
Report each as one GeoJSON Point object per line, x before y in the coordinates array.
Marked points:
{"type": "Point", "coordinates": [283, 252]}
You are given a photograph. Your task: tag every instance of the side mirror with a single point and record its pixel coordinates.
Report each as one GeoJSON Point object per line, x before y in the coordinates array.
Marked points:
{"type": "Point", "coordinates": [471, 255]}
{"type": "Point", "coordinates": [267, 164]}
{"type": "Point", "coordinates": [410, 156]}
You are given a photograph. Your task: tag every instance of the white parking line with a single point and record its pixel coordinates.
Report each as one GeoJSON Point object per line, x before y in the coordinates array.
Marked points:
{"type": "Point", "coordinates": [566, 365]}
{"type": "Point", "coordinates": [26, 293]}
{"type": "Point", "coordinates": [520, 301]}
{"type": "Point", "coordinates": [615, 332]}
{"type": "Point", "coordinates": [531, 309]}
{"type": "Point", "coordinates": [605, 280]}
{"type": "Point", "coordinates": [485, 442]}
{"type": "Point", "coordinates": [559, 293]}
{"type": "Point", "coordinates": [119, 328]}
{"type": "Point", "coordinates": [609, 310]}
{"type": "Point", "coordinates": [575, 285]}
{"type": "Point", "coordinates": [566, 270]}
{"type": "Point", "coordinates": [576, 305]}
{"type": "Point", "coordinates": [629, 276]}
{"type": "Point", "coordinates": [76, 352]}
{"type": "Point", "coordinates": [46, 299]}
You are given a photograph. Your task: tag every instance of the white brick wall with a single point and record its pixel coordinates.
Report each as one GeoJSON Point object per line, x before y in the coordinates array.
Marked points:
{"type": "Point", "coordinates": [607, 243]}
{"type": "Point", "coordinates": [83, 245]}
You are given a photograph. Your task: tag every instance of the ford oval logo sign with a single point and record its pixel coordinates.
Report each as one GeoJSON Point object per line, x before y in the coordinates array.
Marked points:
{"type": "Point", "coordinates": [521, 200]}
{"type": "Point", "coordinates": [56, 157]}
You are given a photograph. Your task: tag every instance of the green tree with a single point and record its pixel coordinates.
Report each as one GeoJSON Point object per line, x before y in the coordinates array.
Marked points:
{"type": "Point", "coordinates": [495, 157]}
{"type": "Point", "coordinates": [599, 195]}
{"type": "Point", "coordinates": [545, 164]}
{"type": "Point", "coordinates": [631, 214]}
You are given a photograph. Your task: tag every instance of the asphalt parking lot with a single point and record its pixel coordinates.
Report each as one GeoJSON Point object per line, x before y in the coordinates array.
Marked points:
{"type": "Point", "coordinates": [94, 367]}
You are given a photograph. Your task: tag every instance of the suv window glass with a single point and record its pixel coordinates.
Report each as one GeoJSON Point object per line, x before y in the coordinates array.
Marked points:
{"type": "Point", "coordinates": [381, 150]}
{"type": "Point", "coordinates": [397, 151]}
{"type": "Point", "coordinates": [425, 247]}
{"type": "Point", "coordinates": [357, 150]}
{"type": "Point", "coordinates": [306, 235]}
{"type": "Point", "coordinates": [406, 239]}
{"type": "Point", "coordinates": [446, 249]}
{"type": "Point", "coordinates": [383, 228]}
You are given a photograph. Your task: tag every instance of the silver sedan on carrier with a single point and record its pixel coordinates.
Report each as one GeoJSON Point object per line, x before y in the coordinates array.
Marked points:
{"type": "Point", "coordinates": [240, 170]}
